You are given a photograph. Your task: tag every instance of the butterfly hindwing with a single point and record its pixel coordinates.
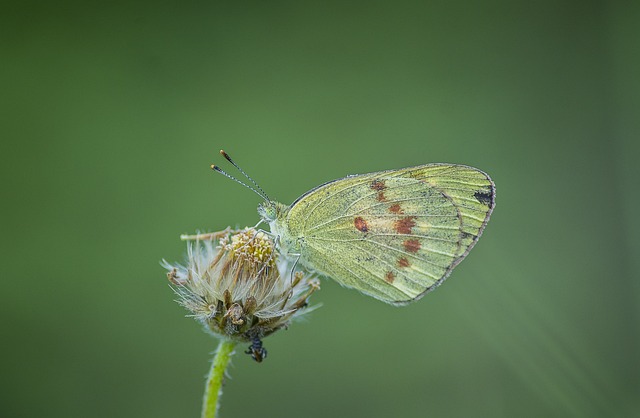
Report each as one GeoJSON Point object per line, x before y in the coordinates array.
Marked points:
{"type": "Point", "coordinates": [395, 234]}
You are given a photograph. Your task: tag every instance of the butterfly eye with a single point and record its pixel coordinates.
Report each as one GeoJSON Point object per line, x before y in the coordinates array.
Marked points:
{"type": "Point", "coordinates": [267, 211]}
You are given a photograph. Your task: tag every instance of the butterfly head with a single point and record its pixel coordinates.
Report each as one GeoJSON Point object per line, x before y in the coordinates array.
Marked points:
{"type": "Point", "coordinates": [270, 211]}
{"type": "Point", "coordinates": [275, 214]}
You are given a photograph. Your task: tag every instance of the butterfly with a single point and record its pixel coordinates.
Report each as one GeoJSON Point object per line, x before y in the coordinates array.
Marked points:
{"type": "Point", "coordinates": [394, 235]}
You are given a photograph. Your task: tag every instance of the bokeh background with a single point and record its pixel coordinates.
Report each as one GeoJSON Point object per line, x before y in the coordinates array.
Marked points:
{"type": "Point", "coordinates": [112, 113]}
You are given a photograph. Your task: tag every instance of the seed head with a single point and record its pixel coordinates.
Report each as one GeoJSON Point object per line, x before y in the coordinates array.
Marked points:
{"type": "Point", "coordinates": [236, 284]}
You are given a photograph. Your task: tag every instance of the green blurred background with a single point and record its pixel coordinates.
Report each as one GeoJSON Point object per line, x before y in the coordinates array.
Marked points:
{"type": "Point", "coordinates": [113, 112]}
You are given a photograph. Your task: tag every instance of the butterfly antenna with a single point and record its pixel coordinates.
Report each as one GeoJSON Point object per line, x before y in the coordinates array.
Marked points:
{"type": "Point", "coordinates": [264, 195]}
{"type": "Point", "coordinates": [219, 170]}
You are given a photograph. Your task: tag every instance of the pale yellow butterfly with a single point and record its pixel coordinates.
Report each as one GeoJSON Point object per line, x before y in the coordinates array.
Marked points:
{"type": "Point", "coordinates": [394, 235]}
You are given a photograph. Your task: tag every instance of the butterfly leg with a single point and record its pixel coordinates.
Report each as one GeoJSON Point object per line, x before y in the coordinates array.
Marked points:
{"type": "Point", "coordinates": [274, 237]}
{"type": "Point", "coordinates": [293, 269]}
{"type": "Point", "coordinates": [268, 233]}
{"type": "Point", "coordinates": [293, 281]}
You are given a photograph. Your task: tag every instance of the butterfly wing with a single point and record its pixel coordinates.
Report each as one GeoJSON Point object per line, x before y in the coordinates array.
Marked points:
{"type": "Point", "coordinates": [393, 235]}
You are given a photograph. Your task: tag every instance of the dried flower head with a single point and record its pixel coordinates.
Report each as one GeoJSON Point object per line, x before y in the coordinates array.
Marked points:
{"type": "Point", "coordinates": [237, 285]}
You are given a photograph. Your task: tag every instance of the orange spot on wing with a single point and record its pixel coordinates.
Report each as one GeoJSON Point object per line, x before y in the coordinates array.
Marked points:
{"type": "Point", "coordinates": [395, 208]}
{"type": "Point", "coordinates": [404, 225]}
{"type": "Point", "coordinates": [360, 224]}
{"type": "Point", "coordinates": [403, 262]}
{"type": "Point", "coordinates": [378, 185]}
{"type": "Point", "coordinates": [412, 245]}
{"type": "Point", "coordinates": [390, 277]}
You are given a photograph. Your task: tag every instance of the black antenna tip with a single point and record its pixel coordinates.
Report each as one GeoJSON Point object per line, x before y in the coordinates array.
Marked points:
{"type": "Point", "coordinates": [259, 190]}
{"type": "Point", "coordinates": [215, 167]}
{"type": "Point", "coordinates": [226, 156]}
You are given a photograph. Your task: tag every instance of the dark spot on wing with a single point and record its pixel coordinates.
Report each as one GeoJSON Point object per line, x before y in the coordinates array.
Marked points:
{"type": "Point", "coordinates": [464, 235]}
{"type": "Point", "coordinates": [403, 262]}
{"type": "Point", "coordinates": [390, 277]}
{"type": "Point", "coordinates": [412, 245]}
{"type": "Point", "coordinates": [379, 186]}
{"type": "Point", "coordinates": [484, 196]}
{"type": "Point", "coordinates": [360, 224]}
{"type": "Point", "coordinates": [395, 208]}
{"type": "Point", "coordinates": [404, 225]}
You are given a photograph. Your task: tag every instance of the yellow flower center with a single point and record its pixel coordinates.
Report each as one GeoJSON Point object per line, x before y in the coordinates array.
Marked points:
{"type": "Point", "coordinates": [251, 245]}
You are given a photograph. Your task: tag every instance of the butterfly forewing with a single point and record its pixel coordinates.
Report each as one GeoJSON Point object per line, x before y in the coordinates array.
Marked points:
{"type": "Point", "coordinates": [394, 234]}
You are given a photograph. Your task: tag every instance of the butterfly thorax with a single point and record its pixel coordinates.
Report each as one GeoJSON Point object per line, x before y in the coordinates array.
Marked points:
{"type": "Point", "coordinates": [275, 214]}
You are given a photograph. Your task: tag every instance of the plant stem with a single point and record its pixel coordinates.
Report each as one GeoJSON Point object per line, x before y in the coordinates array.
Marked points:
{"type": "Point", "coordinates": [213, 390]}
